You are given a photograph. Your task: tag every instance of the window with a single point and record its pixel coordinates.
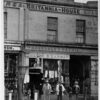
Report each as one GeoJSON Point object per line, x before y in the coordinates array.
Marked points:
{"type": "Point", "coordinates": [52, 28]}
{"type": "Point", "coordinates": [80, 31]}
{"type": "Point", "coordinates": [5, 25]}
{"type": "Point", "coordinates": [10, 71]}
{"type": "Point", "coordinates": [10, 63]}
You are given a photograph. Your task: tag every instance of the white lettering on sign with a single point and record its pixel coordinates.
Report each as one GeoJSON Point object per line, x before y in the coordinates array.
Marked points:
{"type": "Point", "coordinates": [13, 48]}
{"type": "Point", "coordinates": [52, 8]}
{"type": "Point", "coordinates": [49, 56]}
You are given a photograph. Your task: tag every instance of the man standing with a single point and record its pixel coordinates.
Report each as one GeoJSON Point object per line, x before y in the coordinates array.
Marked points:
{"type": "Point", "coordinates": [76, 89]}
{"type": "Point", "coordinates": [46, 90]}
{"type": "Point", "coordinates": [60, 90]}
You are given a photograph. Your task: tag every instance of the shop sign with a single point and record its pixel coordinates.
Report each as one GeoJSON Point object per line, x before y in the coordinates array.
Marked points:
{"type": "Point", "coordinates": [49, 56]}
{"type": "Point", "coordinates": [12, 48]}
{"type": "Point", "coordinates": [51, 8]}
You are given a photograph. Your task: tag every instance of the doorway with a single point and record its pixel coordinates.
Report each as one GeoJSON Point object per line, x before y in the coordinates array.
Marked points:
{"type": "Point", "coordinates": [36, 76]}
{"type": "Point", "coordinates": [35, 83]}
{"type": "Point", "coordinates": [79, 70]}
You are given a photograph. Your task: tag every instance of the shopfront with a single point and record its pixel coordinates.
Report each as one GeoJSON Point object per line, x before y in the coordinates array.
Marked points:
{"type": "Point", "coordinates": [11, 55]}
{"type": "Point", "coordinates": [75, 64]}
{"type": "Point", "coordinates": [49, 63]}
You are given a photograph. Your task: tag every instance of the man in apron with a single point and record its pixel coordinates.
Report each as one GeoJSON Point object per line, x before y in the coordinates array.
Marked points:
{"type": "Point", "coordinates": [60, 90]}
{"type": "Point", "coordinates": [46, 90]}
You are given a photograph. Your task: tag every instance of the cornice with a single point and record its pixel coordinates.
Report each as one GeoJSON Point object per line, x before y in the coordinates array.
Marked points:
{"type": "Point", "coordinates": [74, 4]}
{"type": "Point", "coordinates": [57, 44]}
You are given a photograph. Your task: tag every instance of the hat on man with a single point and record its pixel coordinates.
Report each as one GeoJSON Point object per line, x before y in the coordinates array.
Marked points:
{"type": "Point", "coordinates": [76, 82]}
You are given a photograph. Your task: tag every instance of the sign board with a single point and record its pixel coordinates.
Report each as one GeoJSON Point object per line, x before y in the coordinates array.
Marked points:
{"type": "Point", "coordinates": [48, 55]}
{"type": "Point", "coordinates": [52, 8]}
{"type": "Point", "coordinates": [12, 48]}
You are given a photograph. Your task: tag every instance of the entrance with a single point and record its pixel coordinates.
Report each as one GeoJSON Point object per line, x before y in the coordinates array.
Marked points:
{"type": "Point", "coordinates": [35, 83]}
{"type": "Point", "coordinates": [36, 76]}
{"type": "Point", "coordinates": [79, 70]}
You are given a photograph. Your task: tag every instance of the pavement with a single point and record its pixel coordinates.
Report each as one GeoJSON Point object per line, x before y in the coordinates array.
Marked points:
{"type": "Point", "coordinates": [65, 97]}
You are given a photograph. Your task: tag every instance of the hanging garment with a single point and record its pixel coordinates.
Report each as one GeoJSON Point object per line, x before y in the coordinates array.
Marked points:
{"type": "Point", "coordinates": [26, 78]}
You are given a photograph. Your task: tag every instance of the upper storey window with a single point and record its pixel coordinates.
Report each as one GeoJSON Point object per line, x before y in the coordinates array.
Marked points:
{"type": "Point", "coordinates": [52, 29]}
{"type": "Point", "coordinates": [5, 25]}
{"type": "Point", "coordinates": [80, 31]}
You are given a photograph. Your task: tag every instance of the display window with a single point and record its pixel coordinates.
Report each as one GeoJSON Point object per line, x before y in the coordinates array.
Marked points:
{"type": "Point", "coordinates": [10, 70]}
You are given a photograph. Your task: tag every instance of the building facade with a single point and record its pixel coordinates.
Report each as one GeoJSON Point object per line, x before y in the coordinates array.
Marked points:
{"type": "Point", "coordinates": [53, 31]}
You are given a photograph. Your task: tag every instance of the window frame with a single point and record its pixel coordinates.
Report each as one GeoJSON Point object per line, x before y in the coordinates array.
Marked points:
{"type": "Point", "coordinates": [5, 25]}
{"type": "Point", "coordinates": [49, 28]}
{"type": "Point", "coordinates": [82, 32]}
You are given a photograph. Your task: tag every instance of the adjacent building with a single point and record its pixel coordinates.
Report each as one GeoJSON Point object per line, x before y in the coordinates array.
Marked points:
{"type": "Point", "coordinates": [53, 31]}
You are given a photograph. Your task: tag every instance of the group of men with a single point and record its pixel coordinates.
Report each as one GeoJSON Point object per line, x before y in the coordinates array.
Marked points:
{"type": "Point", "coordinates": [47, 90]}
{"type": "Point", "coordinates": [60, 90]}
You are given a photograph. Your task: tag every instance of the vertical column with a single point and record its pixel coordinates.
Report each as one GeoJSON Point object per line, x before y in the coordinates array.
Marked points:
{"type": "Point", "coordinates": [94, 69]}
{"type": "Point", "coordinates": [26, 24]}
{"type": "Point", "coordinates": [22, 68]}
{"type": "Point", "coordinates": [42, 64]}
{"type": "Point", "coordinates": [26, 60]}
{"type": "Point", "coordinates": [21, 24]}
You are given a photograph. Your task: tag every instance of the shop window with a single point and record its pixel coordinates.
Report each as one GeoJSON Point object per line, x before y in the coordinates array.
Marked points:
{"type": "Point", "coordinates": [50, 68]}
{"type": "Point", "coordinates": [33, 62]}
{"type": "Point", "coordinates": [5, 25]}
{"type": "Point", "coordinates": [10, 63]}
{"type": "Point", "coordinates": [10, 71]}
{"type": "Point", "coordinates": [80, 31]}
{"type": "Point", "coordinates": [52, 28]}
{"type": "Point", "coordinates": [6, 64]}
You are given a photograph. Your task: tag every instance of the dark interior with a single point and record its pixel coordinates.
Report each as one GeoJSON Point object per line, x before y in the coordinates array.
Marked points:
{"type": "Point", "coordinates": [78, 70]}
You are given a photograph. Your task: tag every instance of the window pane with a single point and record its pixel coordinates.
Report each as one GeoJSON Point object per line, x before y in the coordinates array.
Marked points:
{"type": "Point", "coordinates": [52, 26]}
{"type": "Point", "coordinates": [80, 25]}
{"type": "Point", "coordinates": [52, 20]}
{"type": "Point", "coordinates": [80, 39]}
{"type": "Point", "coordinates": [51, 36]}
{"type": "Point", "coordinates": [52, 23]}
{"type": "Point", "coordinates": [5, 25]}
{"type": "Point", "coordinates": [80, 31]}
{"type": "Point", "coordinates": [52, 33]}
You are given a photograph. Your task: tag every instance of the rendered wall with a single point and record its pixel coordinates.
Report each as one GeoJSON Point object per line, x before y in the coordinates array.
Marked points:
{"type": "Point", "coordinates": [32, 25]}
{"type": "Point", "coordinates": [15, 24]}
{"type": "Point", "coordinates": [66, 27]}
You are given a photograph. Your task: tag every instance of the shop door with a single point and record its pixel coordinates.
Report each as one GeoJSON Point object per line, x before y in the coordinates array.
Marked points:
{"type": "Point", "coordinates": [36, 76]}
{"type": "Point", "coordinates": [79, 70]}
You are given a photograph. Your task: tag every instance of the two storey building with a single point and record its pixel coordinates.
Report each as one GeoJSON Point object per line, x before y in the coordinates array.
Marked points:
{"type": "Point", "coordinates": [53, 31]}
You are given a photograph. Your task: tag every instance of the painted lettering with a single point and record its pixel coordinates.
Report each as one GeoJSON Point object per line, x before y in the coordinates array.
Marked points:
{"type": "Point", "coordinates": [8, 3]}
{"type": "Point", "coordinates": [14, 4]}
{"type": "Point", "coordinates": [49, 8]}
